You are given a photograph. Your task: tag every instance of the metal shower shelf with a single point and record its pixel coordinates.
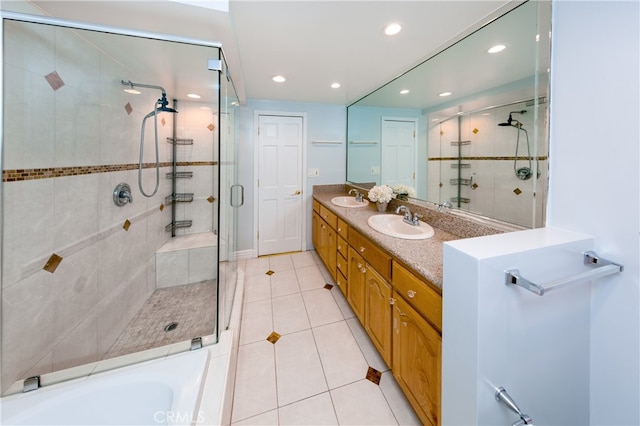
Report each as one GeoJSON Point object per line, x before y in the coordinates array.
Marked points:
{"type": "Point", "coordinates": [179, 198]}
{"type": "Point", "coordinates": [459, 143]}
{"type": "Point", "coordinates": [180, 141]}
{"type": "Point", "coordinates": [460, 166]}
{"type": "Point", "coordinates": [178, 224]}
{"type": "Point", "coordinates": [179, 175]}
{"type": "Point", "coordinates": [461, 181]}
{"type": "Point", "coordinates": [603, 268]}
{"type": "Point", "coordinates": [460, 200]}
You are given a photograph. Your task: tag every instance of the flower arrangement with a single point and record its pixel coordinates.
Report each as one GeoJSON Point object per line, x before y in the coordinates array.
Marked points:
{"type": "Point", "coordinates": [381, 194]}
{"type": "Point", "coordinates": [403, 192]}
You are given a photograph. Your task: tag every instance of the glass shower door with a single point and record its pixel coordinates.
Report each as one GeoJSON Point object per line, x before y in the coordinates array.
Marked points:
{"type": "Point", "coordinates": [232, 197]}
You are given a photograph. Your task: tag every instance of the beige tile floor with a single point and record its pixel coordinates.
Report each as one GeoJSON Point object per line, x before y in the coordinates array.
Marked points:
{"type": "Point", "coordinates": [315, 373]}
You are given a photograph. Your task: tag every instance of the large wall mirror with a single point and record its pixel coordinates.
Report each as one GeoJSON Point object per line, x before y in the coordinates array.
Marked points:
{"type": "Point", "coordinates": [467, 127]}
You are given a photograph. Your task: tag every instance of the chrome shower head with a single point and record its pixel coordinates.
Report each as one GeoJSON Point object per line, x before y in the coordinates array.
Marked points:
{"type": "Point", "coordinates": [511, 122]}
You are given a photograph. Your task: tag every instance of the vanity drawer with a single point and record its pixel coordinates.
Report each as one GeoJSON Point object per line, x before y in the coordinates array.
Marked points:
{"type": "Point", "coordinates": [316, 206]}
{"type": "Point", "coordinates": [343, 247]}
{"type": "Point", "coordinates": [341, 264]}
{"type": "Point", "coordinates": [378, 259]}
{"type": "Point", "coordinates": [329, 217]}
{"type": "Point", "coordinates": [343, 229]}
{"type": "Point", "coordinates": [419, 294]}
{"type": "Point", "coordinates": [341, 281]}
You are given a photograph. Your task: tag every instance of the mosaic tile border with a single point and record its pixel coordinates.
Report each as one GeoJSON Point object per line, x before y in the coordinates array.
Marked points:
{"type": "Point", "coordinates": [19, 175]}
{"type": "Point", "coordinates": [541, 158]}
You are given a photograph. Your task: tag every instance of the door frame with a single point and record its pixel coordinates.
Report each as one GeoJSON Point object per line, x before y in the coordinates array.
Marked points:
{"type": "Point", "coordinates": [256, 174]}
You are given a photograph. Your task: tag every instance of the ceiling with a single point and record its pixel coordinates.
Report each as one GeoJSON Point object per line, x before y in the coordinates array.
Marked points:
{"type": "Point", "coordinates": [311, 43]}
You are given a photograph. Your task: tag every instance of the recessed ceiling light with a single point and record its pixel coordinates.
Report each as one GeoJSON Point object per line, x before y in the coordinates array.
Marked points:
{"type": "Point", "coordinates": [404, 91]}
{"type": "Point", "coordinates": [335, 85]}
{"type": "Point", "coordinates": [392, 29]}
{"type": "Point", "coordinates": [279, 79]}
{"type": "Point", "coordinates": [132, 91]}
{"type": "Point", "coordinates": [193, 96]}
{"type": "Point", "coordinates": [443, 94]}
{"type": "Point", "coordinates": [497, 48]}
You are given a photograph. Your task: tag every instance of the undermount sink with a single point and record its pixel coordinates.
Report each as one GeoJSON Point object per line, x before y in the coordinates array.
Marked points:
{"type": "Point", "coordinates": [394, 226]}
{"type": "Point", "coordinates": [349, 202]}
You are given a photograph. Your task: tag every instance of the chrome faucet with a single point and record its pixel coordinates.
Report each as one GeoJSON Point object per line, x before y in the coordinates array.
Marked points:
{"type": "Point", "coordinates": [358, 194]}
{"type": "Point", "coordinates": [411, 220]}
{"type": "Point", "coordinates": [446, 204]}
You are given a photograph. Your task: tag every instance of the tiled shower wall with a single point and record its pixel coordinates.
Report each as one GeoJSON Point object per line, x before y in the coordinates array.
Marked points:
{"type": "Point", "coordinates": [494, 191]}
{"type": "Point", "coordinates": [69, 139]}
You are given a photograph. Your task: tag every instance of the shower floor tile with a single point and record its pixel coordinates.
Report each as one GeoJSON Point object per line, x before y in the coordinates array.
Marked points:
{"type": "Point", "coordinates": [192, 306]}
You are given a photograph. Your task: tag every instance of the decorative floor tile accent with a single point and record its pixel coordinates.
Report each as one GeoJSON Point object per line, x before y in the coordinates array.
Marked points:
{"type": "Point", "coordinates": [374, 375]}
{"type": "Point", "coordinates": [273, 337]}
{"type": "Point", "coordinates": [161, 207]}
{"type": "Point", "coordinates": [191, 305]}
{"type": "Point", "coordinates": [517, 191]}
{"type": "Point", "coordinates": [126, 225]}
{"type": "Point", "coordinates": [270, 272]}
{"type": "Point", "coordinates": [52, 263]}
{"type": "Point", "coordinates": [211, 199]}
{"type": "Point", "coordinates": [128, 108]}
{"type": "Point", "coordinates": [211, 127]}
{"type": "Point", "coordinates": [328, 286]}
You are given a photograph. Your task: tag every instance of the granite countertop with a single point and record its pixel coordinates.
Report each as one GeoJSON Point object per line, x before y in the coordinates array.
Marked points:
{"type": "Point", "coordinates": [424, 257]}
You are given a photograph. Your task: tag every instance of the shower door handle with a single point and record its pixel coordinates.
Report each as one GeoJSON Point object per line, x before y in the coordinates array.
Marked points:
{"type": "Point", "coordinates": [241, 195]}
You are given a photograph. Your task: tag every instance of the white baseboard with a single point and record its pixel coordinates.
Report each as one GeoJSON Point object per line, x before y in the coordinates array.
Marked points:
{"type": "Point", "coordinates": [245, 254]}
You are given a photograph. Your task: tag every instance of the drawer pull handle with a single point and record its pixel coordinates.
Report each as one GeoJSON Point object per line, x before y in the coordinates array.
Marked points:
{"type": "Point", "coordinates": [339, 229]}
{"type": "Point", "coordinates": [362, 249]}
{"type": "Point", "coordinates": [363, 270]}
{"type": "Point", "coordinates": [339, 265]}
{"type": "Point", "coordinates": [359, 265]}
{"type": "Point", "coordinates": [411, 294]}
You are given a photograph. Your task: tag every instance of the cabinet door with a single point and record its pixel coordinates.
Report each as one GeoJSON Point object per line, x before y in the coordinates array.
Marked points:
{"type": "Point", "coordinates": [378, 313]}
{"type": "Point", "coordinates": [315, 230]}
{"type": "Point", "coordinates": [357, 283]}
{"type": "Point", "coordinates": [417, 357]}
{"type": "Point", "coordinates": [331, 250]}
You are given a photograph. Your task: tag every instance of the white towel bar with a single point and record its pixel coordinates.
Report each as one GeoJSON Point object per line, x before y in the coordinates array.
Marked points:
{"type": "Point", "coordinates": [512, 276]}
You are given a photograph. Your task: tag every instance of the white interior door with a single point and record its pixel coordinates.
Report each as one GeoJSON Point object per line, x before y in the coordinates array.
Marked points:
{"type": "Point", "coordinates": [280, 184]}
{"type": "Point", "coordinates": [398, 152]}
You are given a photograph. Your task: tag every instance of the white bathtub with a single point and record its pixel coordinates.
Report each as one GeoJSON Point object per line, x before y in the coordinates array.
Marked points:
{"type": "Point", "coordinates": [173, 387]}
{"type": "Point", "coordinates": [188, 388]}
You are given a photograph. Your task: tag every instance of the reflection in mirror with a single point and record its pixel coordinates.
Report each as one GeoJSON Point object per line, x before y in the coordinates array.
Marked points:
{"type": "Point", "coordinates": [467, 126]}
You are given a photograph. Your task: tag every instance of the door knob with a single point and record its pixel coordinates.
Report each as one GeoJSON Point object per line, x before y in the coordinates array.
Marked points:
{"type": "Point", "coordinates": [298, 192]}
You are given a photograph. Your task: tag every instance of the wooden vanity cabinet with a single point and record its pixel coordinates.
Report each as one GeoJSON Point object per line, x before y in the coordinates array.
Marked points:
{"type": "Point", "coordinates": [324, 236]}
{"type": "Point", "coordinates": [401, 313]}
{"type": "Point", "coordinates": [377, 317]}
{"type": "Point", "coordinates": [417, 360]}
{"type": "Point", "coordinates": [417, 343]}
{"type": "Point", "coordinates": [357, 283]}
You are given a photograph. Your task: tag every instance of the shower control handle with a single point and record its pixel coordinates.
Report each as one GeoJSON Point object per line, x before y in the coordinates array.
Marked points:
{"type": "Point", "coordinates": [122, 194]}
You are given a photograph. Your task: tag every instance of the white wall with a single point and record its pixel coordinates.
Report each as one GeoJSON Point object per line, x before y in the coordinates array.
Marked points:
{"type": "Point", "coordinates": [594, 184]}
{"type": "Point", "coordinates": [324, 122]}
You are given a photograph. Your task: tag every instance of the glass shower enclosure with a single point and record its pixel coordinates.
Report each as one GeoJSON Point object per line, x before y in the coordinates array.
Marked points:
{"type": "Point", "coordinates": [118, 194]}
